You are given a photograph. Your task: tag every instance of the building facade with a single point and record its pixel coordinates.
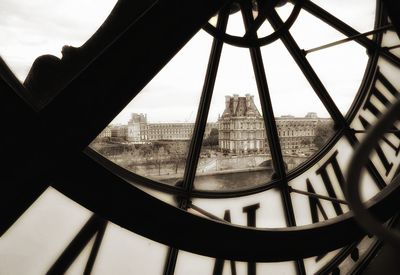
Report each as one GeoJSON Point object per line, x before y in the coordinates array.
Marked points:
{"type": "Point", "coordinates": [169, 131]}
{"type": "Point", "coordinates": [240, 129]}
{"type": "Point", "coordinates": [296, 133]}
{"type": "Point", "coordinates": [106, 133]}
{"type": "Point", "coordinates": [138, 130]}
{"type": "Point", "coordinates": [119, 131]}
{"type": "Point", "coordinates": [241, 126]}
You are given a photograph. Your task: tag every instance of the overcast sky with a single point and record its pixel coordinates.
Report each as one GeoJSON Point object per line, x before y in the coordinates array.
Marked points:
{"type": "Point", "coordinates": [29, 29]}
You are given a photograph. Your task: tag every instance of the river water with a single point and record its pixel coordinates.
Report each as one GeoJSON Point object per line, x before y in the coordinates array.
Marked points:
{"type": "Point", "coordinates": [229, 181]}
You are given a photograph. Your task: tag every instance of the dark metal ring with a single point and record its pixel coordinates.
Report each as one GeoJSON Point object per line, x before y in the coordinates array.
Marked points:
{"type": "Point", "coordinates": [249, 42]}
{"type": "Point", "coordinates": [360, 158]}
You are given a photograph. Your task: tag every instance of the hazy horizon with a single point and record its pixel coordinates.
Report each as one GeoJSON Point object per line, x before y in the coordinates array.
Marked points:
{"type": "Point", "coordinates": [149, 120]}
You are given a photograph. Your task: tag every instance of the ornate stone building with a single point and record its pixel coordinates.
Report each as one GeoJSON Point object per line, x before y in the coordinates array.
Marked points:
{"type": "Point", "coordinates": [241, 126]}
{"type": "Point", "coordinates": [106, 133]}
{"type": "Point", "coordinates": [140, 131]}
{"type": "Point", "coordinates": [119, 131]}
{"type": "Point", "coordinates": [136, 128]}
{"type": "Point", "coordinates": [169, 131]}
{"type": "Point", "coordinates": [297, 133]}
{"type": "Point", "coordinates": [241, 129]}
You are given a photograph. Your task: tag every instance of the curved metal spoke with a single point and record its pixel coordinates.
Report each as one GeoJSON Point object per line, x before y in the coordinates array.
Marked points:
{"type": "Point", "coordinates": [198, 131]}
{"type": "Point", "coordinates": [392, 47]}
{"type": "Point", "coordinates": [309, 73]}
{"type": "Point", "coordinates": [269, 121]}
{"type": "Point", "coordinates": [94, 226]}
{"type": "Point", "coordinates": [270, 127]}
{"type": "Point", "coordinates": [317, 196]}
{"type": "Point", "coordinates": [351, 38]}
{"type": "Point", "coordinates": [265, 100]}
{"type": "Point", "coordinates": [264, 7]}
{"type": "Point", "coordinates": [118, 201]}
{"type": "Point", "coordinates": [349, 31]}
{"type": "Point", "coordinates": [204, 106]}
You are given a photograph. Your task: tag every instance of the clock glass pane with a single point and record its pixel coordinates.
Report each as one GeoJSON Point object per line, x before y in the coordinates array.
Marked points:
{"type": "Point", "coordinates": [151, 136]}
{"type": "Point", "coordinates": [362, 20]}
{"type": "Point", "coordinates": [341, 78]}
{"type": "Point", "coordinates": [303, 123]}
{"type": "Point", "coordinates": [235, 152]}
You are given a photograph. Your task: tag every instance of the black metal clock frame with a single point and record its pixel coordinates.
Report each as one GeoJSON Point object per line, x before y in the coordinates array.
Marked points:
{"type": "Point", "coordinates": [92, 84]}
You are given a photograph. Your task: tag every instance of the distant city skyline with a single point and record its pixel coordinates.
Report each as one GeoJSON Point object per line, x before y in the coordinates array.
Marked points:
{"type": "Point", "coordinates": [150, 120]}
{"type": "Point", "coordinates": [157, 116]}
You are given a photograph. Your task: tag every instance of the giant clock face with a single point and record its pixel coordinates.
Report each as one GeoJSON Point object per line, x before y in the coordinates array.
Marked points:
{"type": "Point", "coordinates": [215, 155]}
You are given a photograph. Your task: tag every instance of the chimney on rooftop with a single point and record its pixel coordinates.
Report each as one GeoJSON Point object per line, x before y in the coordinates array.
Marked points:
{"type": "Point", "coordinates": [227, 101]}
{"type": "Point", "coordinates": [248, 100]}
{"type": "Point", "coordinates": [235, 102]}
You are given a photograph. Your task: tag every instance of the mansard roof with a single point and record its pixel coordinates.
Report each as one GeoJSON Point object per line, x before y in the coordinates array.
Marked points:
{"type": "Point", "coordinates": [239, 106]}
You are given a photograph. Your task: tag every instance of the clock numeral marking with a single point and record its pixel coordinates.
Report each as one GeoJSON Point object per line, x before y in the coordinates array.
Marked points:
{"type": "Point", "coordinates": [375, 91]}
{"type": "Point", "coordinates": [251, 221]}
{"type": "Point", "coordinates": [354, 256]}
{"type": "Point", "coordinates": [315, 204]}
{"type": "Point", "coordinates": [326, 179]}
{"type": "Point", "coordinates": [251, 214]}
{"type": "Point", "coordinates": [381, 155]}
{"type": "Point", "coordinates": [219, 263]}
{"type": "Point", "coordinates": [370, 106]}
{"type": "Point", "coordinates": [316, 207]}
{"type": "Point", "coordinates": [250, 211]}
{"type": "Point", "coordinates": [94, 226]}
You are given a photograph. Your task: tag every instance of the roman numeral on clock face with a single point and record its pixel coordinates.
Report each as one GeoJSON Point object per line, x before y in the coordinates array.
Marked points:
{"type": "Point", "coordinates": [379, 99]}
{"type": "Point", "coordinates": [328, 182]}
{"type": "Point", "coordinates": [322, 171]}
{"type": "Point", "coordinates": [250, 211]}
